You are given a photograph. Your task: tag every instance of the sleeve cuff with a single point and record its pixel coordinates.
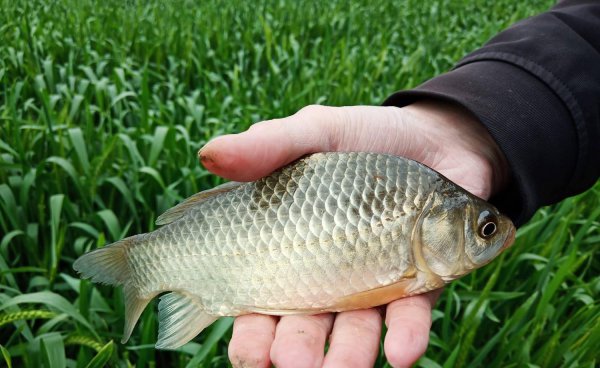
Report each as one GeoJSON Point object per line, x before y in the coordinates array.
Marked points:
{"type": "Point", "coordinates": [529, 122]}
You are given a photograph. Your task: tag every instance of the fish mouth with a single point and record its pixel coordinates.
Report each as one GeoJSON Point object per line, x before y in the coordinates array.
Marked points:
{"type": "Point", "coordinates": [510, 238]}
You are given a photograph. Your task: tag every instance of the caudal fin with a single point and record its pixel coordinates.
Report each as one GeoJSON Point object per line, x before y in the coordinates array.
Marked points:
{"type": "Point", "coordinates": [109, 265]}
{"type": "Point", "coordinates": [106, 265]}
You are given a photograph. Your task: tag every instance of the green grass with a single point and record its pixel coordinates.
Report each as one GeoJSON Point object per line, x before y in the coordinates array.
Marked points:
{"type": "Point", "coordinates": [103, 106]}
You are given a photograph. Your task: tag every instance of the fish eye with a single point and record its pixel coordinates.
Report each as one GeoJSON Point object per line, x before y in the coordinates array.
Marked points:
{"type": "Point", "coordinates": [487, 224]}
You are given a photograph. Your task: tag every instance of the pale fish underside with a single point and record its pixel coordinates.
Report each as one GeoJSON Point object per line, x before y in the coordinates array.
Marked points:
{"type": "Point", "coordinates": [331, 232]}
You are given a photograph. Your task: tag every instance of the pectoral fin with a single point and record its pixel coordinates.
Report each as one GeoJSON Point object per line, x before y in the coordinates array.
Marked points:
{"type": "Point", "coordinates": [180, 317]}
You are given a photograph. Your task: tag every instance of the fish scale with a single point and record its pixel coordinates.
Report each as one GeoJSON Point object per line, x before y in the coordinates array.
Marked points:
{"type": "Point", "coordinates": [333, 231]}
{"type": "Point", "coordinates": [311, 239]}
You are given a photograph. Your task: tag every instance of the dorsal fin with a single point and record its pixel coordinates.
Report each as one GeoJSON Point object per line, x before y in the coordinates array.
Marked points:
{"type": "Point", "coordinates": [178, 211]}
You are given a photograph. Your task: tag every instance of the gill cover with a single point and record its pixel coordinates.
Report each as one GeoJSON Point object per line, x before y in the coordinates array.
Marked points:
{"type": "Point", "coordinates": [442, 235]}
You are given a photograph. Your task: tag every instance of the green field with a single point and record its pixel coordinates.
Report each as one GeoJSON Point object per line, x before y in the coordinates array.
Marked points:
{"type": "Point", "coordinates": [103, 105]}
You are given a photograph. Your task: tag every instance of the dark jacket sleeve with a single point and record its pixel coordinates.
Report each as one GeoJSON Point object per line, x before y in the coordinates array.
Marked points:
{"type": "Point", "coordinates": [536, 88]}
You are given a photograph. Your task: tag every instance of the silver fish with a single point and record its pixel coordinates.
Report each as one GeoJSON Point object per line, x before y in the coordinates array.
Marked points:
{"type": "Point", "coordinates": [330, 232]}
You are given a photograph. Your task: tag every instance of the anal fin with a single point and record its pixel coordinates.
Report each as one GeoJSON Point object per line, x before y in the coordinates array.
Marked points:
{"type": "Point", "coordinates": [180, 317]}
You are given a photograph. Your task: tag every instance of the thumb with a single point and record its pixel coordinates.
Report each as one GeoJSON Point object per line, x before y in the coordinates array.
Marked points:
{"type": "Point", "coordinates": [270, 144]}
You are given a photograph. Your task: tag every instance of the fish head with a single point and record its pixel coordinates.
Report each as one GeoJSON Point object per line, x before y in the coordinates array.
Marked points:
{"type": "Point", "coordinates": [487, 233]}
{"type": "Point", "coordinates": [461, 232]}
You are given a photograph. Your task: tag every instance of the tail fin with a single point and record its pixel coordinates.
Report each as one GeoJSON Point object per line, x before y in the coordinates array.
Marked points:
{"type": "Point", "coordinates": [106, 265]}
{"type": "Point", "coordinates": [109, 265]}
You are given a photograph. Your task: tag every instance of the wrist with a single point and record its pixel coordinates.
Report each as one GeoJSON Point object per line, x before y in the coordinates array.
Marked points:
{"type": "Point", "coordinates": [460, 136]}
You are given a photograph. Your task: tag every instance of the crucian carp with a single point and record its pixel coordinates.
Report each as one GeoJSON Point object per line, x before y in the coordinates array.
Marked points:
{"type": "Point", "coordinates": [330, 232]}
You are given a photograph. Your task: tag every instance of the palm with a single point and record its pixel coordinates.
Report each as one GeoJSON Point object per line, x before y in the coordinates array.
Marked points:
{"type": "Point", "coordinates": [439, 141]}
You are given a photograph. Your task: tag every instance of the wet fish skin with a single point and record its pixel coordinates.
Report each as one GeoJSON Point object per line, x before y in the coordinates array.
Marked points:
{"type": "Point", "coordinates": [331, 232]}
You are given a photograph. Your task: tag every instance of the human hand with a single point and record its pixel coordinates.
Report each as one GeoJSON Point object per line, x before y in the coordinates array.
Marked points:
{"type": "Point", "coordinates": [440, 135]}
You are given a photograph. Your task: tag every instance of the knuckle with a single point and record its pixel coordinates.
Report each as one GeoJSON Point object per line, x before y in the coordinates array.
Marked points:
{"type": "Point", "coordinates": [255, 126]}
{"type": "Point", "coordinates": [326, 122]}
{"type": "Point", "coordinates": [370, 325]}
{"type": "Point", "coordinates": [313, 110]}
{"type": "Point", "coordinates": [260, 125]}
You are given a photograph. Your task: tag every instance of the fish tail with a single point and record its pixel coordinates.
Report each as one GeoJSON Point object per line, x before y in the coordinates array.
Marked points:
{"type": "Point", "coordinates": [107, 265]}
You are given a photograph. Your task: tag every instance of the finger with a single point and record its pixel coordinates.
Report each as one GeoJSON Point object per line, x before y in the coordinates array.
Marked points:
{"type": "Point", "coordinates": [354, 341]}
{"type": "Point", "coordinates": [268, 145]}
{"type": "Point", "coordinates": [271, 144]}
{"type": "Point", "coordinates": [251, 341]}
{"type": "Point", "coordinates": [408, 321]}
{"type": "Point", "coordinates": [300, 340]}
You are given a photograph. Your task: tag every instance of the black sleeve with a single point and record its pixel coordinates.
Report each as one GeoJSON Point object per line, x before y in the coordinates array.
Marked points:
{"type": "Point", "coordinates": [536, 88]}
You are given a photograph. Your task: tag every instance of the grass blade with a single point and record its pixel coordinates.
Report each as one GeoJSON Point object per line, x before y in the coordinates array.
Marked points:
{"type": "Point", "coordinates": [158, 141]}
{"type": "Point", "coordinates": [79, 144]}
{"type": "Point", "coordinates": [112, 223]}
{"type": "Point", "coordinates": [56, 233]}
{"type": "Point", "coordinates": [51, 300]}
{"type": "Point", "coordinates": [6, 356]}
{"type": "Point", "coordinates": [218, 329]}
{"type": "Point", "coordinates": [104, 354]}
{"type": "Point", "coordinates": [53, 350]}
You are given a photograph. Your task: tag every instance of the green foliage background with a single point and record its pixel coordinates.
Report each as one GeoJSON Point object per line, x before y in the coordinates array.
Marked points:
{"type": "Point", "coordinates": [103, 105]}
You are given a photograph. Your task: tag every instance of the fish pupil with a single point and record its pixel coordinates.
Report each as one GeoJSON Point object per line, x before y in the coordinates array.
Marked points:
{"type": "Point", "coordinates": [487, 224]}
{"type": "Point", "coordinates": [488, 229]}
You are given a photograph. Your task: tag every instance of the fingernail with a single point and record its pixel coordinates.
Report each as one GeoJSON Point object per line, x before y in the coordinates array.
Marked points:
{"type": "Point", "coordinates": [202, 155]}
{"type": "Point", "coordinates": [204, 158]}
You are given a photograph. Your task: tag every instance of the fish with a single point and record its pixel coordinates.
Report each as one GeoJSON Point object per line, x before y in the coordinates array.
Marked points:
{"type": "Point", "coordinates": [330, 232]}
